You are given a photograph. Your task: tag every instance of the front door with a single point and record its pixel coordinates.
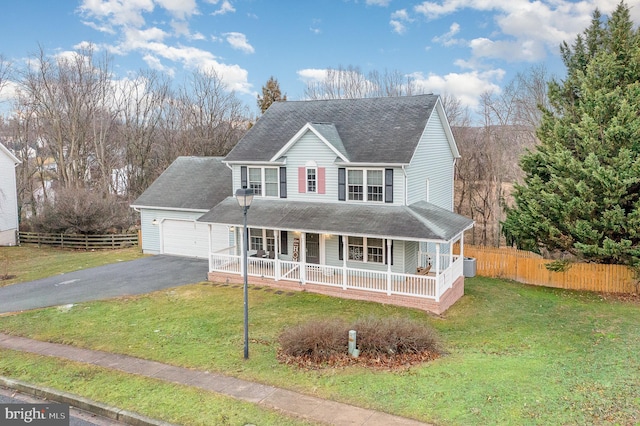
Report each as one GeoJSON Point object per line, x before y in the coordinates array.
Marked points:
{"type": "Point", "coordinates": [313, 248]}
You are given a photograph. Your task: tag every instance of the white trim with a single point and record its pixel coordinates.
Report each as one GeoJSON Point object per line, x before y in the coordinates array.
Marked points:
{"type": "Point", "coordinates": [12, 157]}
{"type": "Point", "coordinates": [176, 209]}
{"type": "Point", "coordinates": [301, 132]}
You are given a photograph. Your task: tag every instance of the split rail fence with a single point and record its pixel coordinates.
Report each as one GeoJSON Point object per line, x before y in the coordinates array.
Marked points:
{"type": "Point", "coordinates": [529, 268]}
{"type": "Point", "coordinates": [78, 241]}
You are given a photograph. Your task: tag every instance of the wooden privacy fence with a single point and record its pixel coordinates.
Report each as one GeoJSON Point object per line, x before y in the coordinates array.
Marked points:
{"type": "Point", "coordinates": [529, 268]}
{"type": "Point", "coordinates": [78, 241]}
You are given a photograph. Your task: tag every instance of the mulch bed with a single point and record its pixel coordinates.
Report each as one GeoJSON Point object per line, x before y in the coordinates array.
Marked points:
{"type": "Point", "coordinates": [383, 362]}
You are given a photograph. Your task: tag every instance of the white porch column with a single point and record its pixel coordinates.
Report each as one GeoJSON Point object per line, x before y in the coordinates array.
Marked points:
{"type": "Point", "coordinates": [276, 260]}
{"type": "Point", "coordinates": [462, 245]}
{"type": "Point", "coordinates": [389, 242]}
{"type": "Point", "coordinates": [210, 246]}
{"type": "Point", "coordinates": [303, 257]}
{"type": "Point", "coordinates": [437, 272]}
{"type": "Point", "coordinates": [345, 255]}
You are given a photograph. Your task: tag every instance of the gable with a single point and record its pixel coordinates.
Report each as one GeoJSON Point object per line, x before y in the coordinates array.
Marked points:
{"type": "Point", "coordinates": [326, 133]}
{"type": "Point", "coordinates": [372, 130]}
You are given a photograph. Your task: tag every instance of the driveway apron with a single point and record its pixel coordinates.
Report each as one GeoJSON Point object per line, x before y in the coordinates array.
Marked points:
{"type": "Point", "coordinates": [103, 282]}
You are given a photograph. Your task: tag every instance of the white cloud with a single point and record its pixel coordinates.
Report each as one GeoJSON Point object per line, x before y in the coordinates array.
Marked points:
{"type": "Point", "coordinates": [378, 2]}
{"type": "Point", "coordinates": [154, 43]}
{"type": "Point", "coordinates": [398, 21]}
{"type": "Point", "coordinates": [180, 9]}
{"type": "Point", "coordinates": [467, 87]}
{"type": "Point", "coordinates": [225, 7]}
{"type": "Point", "coordinates": [312, 75]}
{"type": "Point", "coordinates": [528, 29]}
{"type": "Point", "coordinates": [447, 39]}
{"type": "Point", "coordinates": [239, 42]}
{"type": "Point", "coordinates": [117, 12]}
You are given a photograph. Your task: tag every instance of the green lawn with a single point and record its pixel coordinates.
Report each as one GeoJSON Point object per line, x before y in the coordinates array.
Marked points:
{"type": "Point", "coordinates": [516, 354]}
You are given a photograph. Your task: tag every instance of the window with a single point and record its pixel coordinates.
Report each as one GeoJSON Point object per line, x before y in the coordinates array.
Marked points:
{"type": "Point", "coordinates": [312, 182]}
{"type": "Point", "coordinates": [263, 181]}
{"type": "Point", "coordinates": [262, 239]}
{"type": "Point", "coordinates": [271, 182]}
{"type": "Point", "coordinates": [374, 185]}
{"type": "Point", "coordinates": [371, 179]}
{"type": "Point", "coordinates": [356, 248]}
{"type": "Point", "coordinates": [255, 239]}
{"type": "Point", "coordinates": [255, 180]}
{"type": "Point", "coordinates": [271, 240]}
{"type": "Point", "coordinates": [354, 183]}
{"type": "Point", "coordinates": [375, 250]}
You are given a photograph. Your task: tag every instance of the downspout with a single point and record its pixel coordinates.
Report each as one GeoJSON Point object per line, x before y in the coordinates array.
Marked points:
{"type": "Point", "coordinates": [453, 184]}
{"type": "Point", "coordinates": [406, 191]}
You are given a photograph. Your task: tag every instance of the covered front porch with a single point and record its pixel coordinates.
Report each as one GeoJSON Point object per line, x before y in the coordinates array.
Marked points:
{"type": "Point", "coordinates": [350, 258]}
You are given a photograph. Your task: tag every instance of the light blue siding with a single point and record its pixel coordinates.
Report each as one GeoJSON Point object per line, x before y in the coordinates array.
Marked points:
{"type": "Point", "coordinates": [310, 148]}
{"type": "Point", "coordinates": [432, 163]}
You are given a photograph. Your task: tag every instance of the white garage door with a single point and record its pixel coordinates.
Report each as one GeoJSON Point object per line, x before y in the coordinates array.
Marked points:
{"type": "Point", "coordinates": [185, 238]}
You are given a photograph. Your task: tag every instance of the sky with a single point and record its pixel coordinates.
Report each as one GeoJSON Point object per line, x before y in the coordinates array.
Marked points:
{"type": "Point", "coordinates": [457, 47]}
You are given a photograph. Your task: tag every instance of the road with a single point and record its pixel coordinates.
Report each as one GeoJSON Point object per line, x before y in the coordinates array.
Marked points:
{"type": "Point", "coordinates": [77, 417]}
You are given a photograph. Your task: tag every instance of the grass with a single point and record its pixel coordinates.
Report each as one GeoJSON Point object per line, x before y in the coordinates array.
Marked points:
{"type": "Point", "coordinates": [155, 398]}
{"type": "Point", "coordinates": [28, 263]}
{"type": "Point", "coordinates": [516, 354]}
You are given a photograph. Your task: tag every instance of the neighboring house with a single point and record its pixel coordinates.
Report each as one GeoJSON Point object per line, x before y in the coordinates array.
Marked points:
{"type": "Point", "coordinates": [189, 188]}
{"type": "Point", "coordinates": [8, 197]}
{"type": "Point", "coordinates": [354, 199]}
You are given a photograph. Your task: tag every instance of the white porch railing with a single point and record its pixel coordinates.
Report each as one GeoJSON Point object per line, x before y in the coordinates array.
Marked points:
{"type": "Point", "coordinates": [431, 286]}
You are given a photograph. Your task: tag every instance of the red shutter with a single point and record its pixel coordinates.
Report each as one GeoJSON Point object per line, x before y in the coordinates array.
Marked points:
{"type": "Point", "coordinates": [302, 180]}
{"type": "Point", "coordinates": [321, 172]}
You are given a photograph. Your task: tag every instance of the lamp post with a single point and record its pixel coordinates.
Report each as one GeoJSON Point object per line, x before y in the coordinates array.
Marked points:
{"type": "Point", "coordinates": [244, 197]}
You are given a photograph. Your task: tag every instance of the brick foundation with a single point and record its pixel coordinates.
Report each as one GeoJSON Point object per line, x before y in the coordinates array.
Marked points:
{"type": "Point", "coordinates": [447, 299]}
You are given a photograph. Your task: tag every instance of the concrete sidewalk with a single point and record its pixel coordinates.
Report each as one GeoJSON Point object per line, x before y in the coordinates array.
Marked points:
{"type": "Point", "coordinates": [288, 402]}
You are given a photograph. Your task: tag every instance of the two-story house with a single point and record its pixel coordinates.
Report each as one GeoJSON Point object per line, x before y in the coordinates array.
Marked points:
{"type": "Point", "coordinates": [353, 198]}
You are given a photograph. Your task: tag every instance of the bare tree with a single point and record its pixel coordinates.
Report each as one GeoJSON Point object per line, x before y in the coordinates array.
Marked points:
{"type": "Point", "coordinates": [214, 117]}
{"type": "Point", "coordinates": [142, 101]}
{"type": "Point", "coordinates": [490, 153]}
{"type": "Point", "coordinates": [69, 94]}
{"type": "Point", "coordinates": [352, 83]}
{"type": "Point", "coordinates": [5, 71]}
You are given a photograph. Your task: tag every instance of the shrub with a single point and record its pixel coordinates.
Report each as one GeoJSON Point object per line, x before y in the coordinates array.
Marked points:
{"type": "Point", "coordinates": [81, 211]}
{"type": "Point", "coordinates": [324, 340]}
{"type": "Point", "coordinates": [316, 340]}
{"type": "Point", "coordinates": [390, 336]}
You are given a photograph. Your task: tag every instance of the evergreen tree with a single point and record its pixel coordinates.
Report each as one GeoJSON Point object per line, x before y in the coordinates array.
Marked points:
{"type": "Point", "coordinates": [270, 93]}
{"type": "Point", "coordinates": [581, 192]}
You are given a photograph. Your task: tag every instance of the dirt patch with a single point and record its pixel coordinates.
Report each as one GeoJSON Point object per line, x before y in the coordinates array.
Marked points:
{"type": "Point", "coordinates": [390, 362]}
{"type": "Point", "coordinates": [6, 277]}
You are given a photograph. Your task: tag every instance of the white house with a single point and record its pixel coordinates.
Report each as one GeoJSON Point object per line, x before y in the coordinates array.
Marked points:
{"type": "Point", "coordinates": [354, 199]}
{"type": "Point", "coordinates": [8, 197]}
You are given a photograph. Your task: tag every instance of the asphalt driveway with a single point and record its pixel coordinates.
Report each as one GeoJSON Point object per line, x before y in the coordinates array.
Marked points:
{"type": "Point", "coordinates": [103, 282]}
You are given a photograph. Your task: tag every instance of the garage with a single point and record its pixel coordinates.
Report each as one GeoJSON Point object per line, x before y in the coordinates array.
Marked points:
{"type": "Point", "coordinates": [185, 238]}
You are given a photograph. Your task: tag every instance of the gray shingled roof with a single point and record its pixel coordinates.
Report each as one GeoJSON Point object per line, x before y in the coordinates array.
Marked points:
{"type": "Point", "coordinates": [420, 221]}
{"type": "Point", "coordinates": [195, 183]}
{"type": "Point", "coordinates": [372, 130]}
